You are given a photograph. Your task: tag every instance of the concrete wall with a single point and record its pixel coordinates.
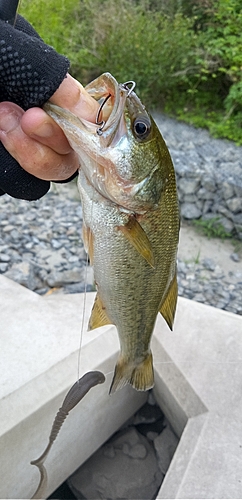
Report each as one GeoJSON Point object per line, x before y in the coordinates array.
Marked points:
{"type": "Point", "coordinates": [198, 372]}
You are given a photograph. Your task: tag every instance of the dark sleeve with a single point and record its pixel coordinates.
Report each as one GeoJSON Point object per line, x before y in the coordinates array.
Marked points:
{"type": "Point", "coordinates": [30, 72]}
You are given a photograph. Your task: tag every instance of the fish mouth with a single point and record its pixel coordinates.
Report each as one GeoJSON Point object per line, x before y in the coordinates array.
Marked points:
{"type": "Point", "coordinates": [112, 99]}
{"type": "Point", "coordinates": [98, 144]}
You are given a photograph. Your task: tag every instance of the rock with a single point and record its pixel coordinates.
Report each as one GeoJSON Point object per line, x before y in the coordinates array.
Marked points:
{"type": "Point", "coordinates": [189, 186]}
{"type": "Point", "coordinates": [209, 264]}
{"type": "Point", "coordinates": [151, 435]}
{"type": "Point", "coordinates": [228, 190]}
{"type": "Point", "coordinates": [209, 183]}
{"type": "Point", "coordinates": [200, 204]}
{"type": "Point", "coordinates": [148, 414]}
{"type": "Point", "coordinates": [60, 278]}
{"type": "Point", "coordinates": [227, 224]}
{"type": "Point", "coordinates": [238, 190]}
{"type": "Point", "coordinates": [203, 194]}
{"type": "Point", "coordinates": [190, 198]}
{"type": "Point", "coordinates": [151, 399]}
{"type": "Point", "coordinates": [7, 228]}
{"type": "Point", "coordinates": [165, 446]}
{"type": "Point", "coordinates": [56, 244]}
{"type": "Point", "coordinates": [3, 267]}
{"type": "Point", "coordinates": [24, 274]}
{"type": "Point", "coordinates": [4, 257]}
{"type": "Point", "coordinates": [190, 211]}
{"type": "Point", "coordinates": [124, 468]}
{"type": "Point", "coordinates": [74, 258]}
{"type": "Point", "coordinates": [234, 256]}
{"type": "Point", "coordinates": [207, 206]}
{"type": "Point", "coordinates": [235, 205]}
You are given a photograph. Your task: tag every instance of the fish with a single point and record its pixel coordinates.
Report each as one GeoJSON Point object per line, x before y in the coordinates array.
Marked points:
{"type": "Point", "coordinates": [131, 221]}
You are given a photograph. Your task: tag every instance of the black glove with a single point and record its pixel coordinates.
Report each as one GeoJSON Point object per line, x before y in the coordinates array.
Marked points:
{"type": "Point", "coordinates": [30, 73]}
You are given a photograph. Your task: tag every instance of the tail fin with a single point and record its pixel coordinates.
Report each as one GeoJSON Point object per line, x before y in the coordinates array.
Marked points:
{"type": "Point", "coordinates": [141, 377]}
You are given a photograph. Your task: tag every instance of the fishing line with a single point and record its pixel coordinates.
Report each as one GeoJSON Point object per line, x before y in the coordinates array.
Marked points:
{"type": "Point", "coordinates": [82, 320]}
{"type": "Point", "coordinates": [100, 124]}
{"type": "Point", "coordinates": [85, 295]}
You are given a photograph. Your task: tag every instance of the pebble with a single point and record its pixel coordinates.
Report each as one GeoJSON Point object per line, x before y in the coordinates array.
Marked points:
{"type": "Point", "coordinates": [165, 446]}
{"type": "Point", "coordinates": [234, 256]}
{"type": "Point", "coordinates": [208, 171]}
{"type": "Point", "coordinates": [4, 258]}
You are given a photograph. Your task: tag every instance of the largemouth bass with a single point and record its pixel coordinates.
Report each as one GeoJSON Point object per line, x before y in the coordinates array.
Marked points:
{"type": "Point", "coordinates": [130, 221]}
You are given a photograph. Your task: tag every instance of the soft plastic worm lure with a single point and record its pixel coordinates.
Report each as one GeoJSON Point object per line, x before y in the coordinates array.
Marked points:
{"type": "Point", "coordinates": [73, 397]}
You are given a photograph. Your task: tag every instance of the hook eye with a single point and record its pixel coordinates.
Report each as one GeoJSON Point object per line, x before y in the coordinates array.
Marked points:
{"type": "Point", "coordinates": [130, 89]}
{"type": "Point", "coordinates": [141, 127]}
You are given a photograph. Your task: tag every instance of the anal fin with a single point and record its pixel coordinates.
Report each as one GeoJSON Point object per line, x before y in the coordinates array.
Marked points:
{"type": "Point", "coordinates": [168, 307]}
{"type": "Point", "coordinates": [136, 235]}
{"type": "Point", "coordinates": [141, 376]}
{"type": "Point", "coordinates": [98, 316]}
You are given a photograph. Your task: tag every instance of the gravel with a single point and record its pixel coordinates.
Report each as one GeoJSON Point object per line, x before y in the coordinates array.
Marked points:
{"type": "Point", "coordinates": [41, 245]}
{"type": "Point", "coordinates": [209, 174]}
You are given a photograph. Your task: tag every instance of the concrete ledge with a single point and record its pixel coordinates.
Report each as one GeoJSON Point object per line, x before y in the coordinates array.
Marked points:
{"type": "Point", "coordinates": [205, 373]}
{"type": "Point", "coordinates": [198, 370]}
{"type": "Point", "coordinates": [29, 403]}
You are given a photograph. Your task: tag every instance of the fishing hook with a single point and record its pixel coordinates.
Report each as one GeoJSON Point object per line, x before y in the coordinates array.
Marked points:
{"type": "Point", "coordinates": [126, 86]}
{"type": "Point", "coordinates": [102, 122]}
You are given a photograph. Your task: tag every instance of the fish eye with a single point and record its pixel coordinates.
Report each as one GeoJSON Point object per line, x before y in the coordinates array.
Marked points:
{"type": "Point", "coordinates": [142, 127]}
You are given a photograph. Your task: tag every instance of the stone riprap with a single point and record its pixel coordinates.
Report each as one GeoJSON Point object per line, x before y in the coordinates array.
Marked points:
{"type": "Point", "coordinates": [133, 463]}
{"type": "Point", "coordinates": [41, 245]}
{"type": "Point", "coordinates": [209, 174]}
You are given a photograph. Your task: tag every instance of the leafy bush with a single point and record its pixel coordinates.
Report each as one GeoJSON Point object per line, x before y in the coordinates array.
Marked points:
{"type": "Point", "coordinates": [51, 21]}
{"type": "Point", "coordinates": [216, 81]}
{"type": "Point", "coordinates": [185, 55]}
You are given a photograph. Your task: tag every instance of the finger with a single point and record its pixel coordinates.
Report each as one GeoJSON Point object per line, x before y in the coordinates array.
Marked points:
{"type": "Point", "coordinates": [40, 126]}
{"type": "Point", "coordinates": [71, 95]}
{"type": "Point", "coordinates": [36, 158]}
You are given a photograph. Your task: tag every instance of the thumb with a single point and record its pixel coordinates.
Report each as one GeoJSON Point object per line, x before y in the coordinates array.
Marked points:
{"type": "Point", "coordinates": [72, 95]}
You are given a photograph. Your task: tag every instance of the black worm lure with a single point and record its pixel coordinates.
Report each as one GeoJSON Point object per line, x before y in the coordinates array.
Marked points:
{"type": "Point", "coordinates": [73, 397]}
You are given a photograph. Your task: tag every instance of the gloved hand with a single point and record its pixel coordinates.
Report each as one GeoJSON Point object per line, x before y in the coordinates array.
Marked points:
{"type": "Point", "coordinates": [30, 72]}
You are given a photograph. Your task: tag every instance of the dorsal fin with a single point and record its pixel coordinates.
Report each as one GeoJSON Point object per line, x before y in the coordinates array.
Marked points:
{"type": "Point", "coordinates": [168, 307]}
{"type": "Point", "coordinates": [98, 316]}
{"type": "Point", "coordinates": [139, 239]}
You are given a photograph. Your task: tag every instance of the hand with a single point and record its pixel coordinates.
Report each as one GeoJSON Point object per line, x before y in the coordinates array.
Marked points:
{"type": "Point", "coordinates": [36, 141]}
{"type": "Point", "coordinates": [30, 74]}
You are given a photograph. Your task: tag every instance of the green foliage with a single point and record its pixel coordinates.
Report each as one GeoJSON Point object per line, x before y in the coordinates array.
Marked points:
{"type": "Point", "coordinates": [212, 228]}
{"type": "Point", "coordinates": [51, 20]}
{"type": "Point", "coordinates": [185, 55]}
{"type": "Point", "coordinates": [220, 60]}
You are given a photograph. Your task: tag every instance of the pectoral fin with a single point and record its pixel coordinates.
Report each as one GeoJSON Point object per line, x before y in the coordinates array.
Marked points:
{"type": "Point", "coordinates": [138, 238]}
{"type": "Point", "coordinates": [168, 307]}
{"type": "Point", "coordinates": [98, 316]}
{"type": "Point", "coordinates": [87, 236]}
